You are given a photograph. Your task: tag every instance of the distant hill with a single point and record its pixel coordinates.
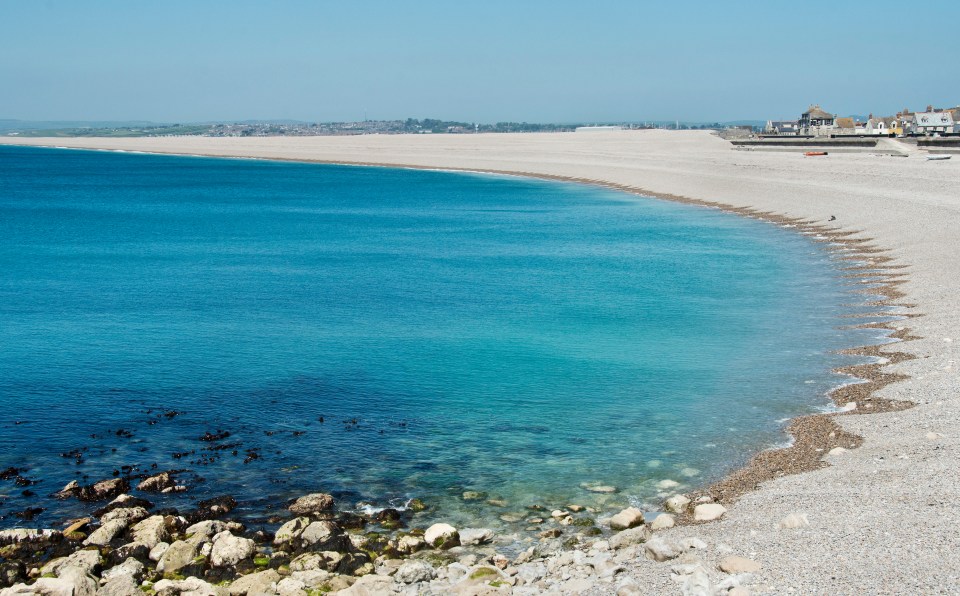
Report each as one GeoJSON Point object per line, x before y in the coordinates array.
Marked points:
{"type": "Point", "coordinates": [13, 125]}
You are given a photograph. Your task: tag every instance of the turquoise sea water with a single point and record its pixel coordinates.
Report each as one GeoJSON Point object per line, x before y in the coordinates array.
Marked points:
{"type": "Point", "coordinates": [455, 332]}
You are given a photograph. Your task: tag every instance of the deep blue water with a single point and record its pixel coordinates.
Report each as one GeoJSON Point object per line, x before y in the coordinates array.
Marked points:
{"type": "Point", "coordinates": [511, 336]}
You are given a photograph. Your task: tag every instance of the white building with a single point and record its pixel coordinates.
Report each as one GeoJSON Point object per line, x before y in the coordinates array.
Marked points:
{"type": "Point", "coordinates": [932, 122]}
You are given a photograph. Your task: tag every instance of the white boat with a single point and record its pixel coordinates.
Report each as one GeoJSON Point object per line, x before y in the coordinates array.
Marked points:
{"type": "Point", "coordinates": [938, 157]}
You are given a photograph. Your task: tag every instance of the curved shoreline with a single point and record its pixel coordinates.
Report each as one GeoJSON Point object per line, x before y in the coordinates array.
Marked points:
{"type": "Point", "coordinates": [813, 432]}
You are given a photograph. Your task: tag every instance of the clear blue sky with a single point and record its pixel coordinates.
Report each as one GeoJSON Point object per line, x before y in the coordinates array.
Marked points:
{"type": "Point", "coordinates": [484, 61]}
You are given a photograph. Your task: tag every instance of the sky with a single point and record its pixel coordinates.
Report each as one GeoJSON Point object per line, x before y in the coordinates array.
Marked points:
{"type": "Point", "coordinates": [475, 61]}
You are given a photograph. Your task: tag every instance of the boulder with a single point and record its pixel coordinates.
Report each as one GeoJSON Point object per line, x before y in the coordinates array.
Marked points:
{"type": "Point", "coordinates": [474, 536]}
{"type": "Point", "coordinates": [84, 560]}
{"type": "Point", "coordinates": [157, 482]}
{"type": "Point", "coordinates": [228, 550]}
{"type": "Point", "coordinates": [323, 535]}
{"type": "Point", "coordinates": [312, 503]}
{"type": "Point", "coordinates": [122, 585]}
{"type": "Point", "coordinates": [630, 537]}
{"type": "Point", "coordinates": [103, 490]}
{"type": "Point", "coordinates": [204, 531]}
{"type": "Point", "coordinates": [151, 531]}
{"type": "Point", "coordinates": [191, 586]}
{"type": "Point", "coordinates": [290, 530]}
{"type": "Point", "coordinates": [255, 583]}
{"type": "Point", "coordinates": [442, 536]}
{"type": "Point", "coordinates": [105, 534]}
{"type": "Point", "coordinates": [179, 555]}
{"type": "Point", "coordinates": [410, 544]}
{"type": "Point", "coordinates": [708, 511]}
{"type": "Point", "coordinates": [676, 504]}
{"type": "Point", "coordinates": [414, 571]}
{"type": "Point", "coordinates": [370, 585]}
{"type": "Point", "coordinates": [733, 564]}
{"type": "Point", "coordinates": [156, 553]}
{"type": "Point", "coordinates": [131, 568]}
{"type": "Point", "coordinates": [134, 550]}
{"type": "Point", "coordinates": [659, 550]}
{"type": "Point", "coordinates": [662, 522]}
{"type": "Point", "coordinates": [628, 518]}
{"type": "Point", "coordinates": [129, 515]}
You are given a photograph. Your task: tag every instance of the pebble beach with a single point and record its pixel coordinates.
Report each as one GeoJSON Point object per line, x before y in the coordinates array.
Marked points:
{"type": "Point", "coordinates": [863, 501]}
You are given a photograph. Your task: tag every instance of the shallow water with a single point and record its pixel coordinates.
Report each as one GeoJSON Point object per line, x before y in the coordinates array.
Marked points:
{"type": "Point", "coordinates": [455, 332]}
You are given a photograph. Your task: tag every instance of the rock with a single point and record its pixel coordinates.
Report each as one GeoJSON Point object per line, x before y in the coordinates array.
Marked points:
{"type": "Point", "coordinates": [662, 522]}
{"type": "Point", "coordinates": [474, 536]}
{"type": "Point", "coordinates": [708, 512]}
{"type": "Point", "coordinates": [255, 583]}
{"type": "Point", "coordinates": [323, 535]}
{"type": "Point", "coordinates": [692, 544]}
{"type": "Point", "coordinates": [84, 560]}
{"type": "Point", "coordinates": [602, 489]}
{"type": "Point", "coordinates": [69, 490]}
{"type": "Point", "coordinates": [151, 531]}
{"type": "Point", "coordinates": [733, 564]}
{"type": "Point", "coordinates": [130, 568]}
{"type": "Point", "coordinates": [327, 560]}
{"type": "Point", "coordinates": [738, 591]}
{"type": "Point", "coordinates": [12, 572]}
{"type": "Point", "coordinates": [932, 436]}
{"type": "Point", "coordinates": [105, 534]}
{"type": "Point", "coordinates": [630, 537]}
{"type": "Point", "coordinates": [667, 484]}
{"type": "Point", "coordinates": [532, 572]}
{"type": "Point", "coordinates": [103, 490]}
{"type": "Point", "coordinates": [628, 518]}
{"type": "Point", "coordinates": [157, 482]}
{"type": "Point", "coordinates": [191, 586]}
{"type": "Point", "coordinates": [370, 585]}
{"type": "Point", "coordinates": [410, 544]}
{"type": "Point", "coordinates": [122, 585]}
{"type": "Point", "coordinates": [677, 504]}
{"type": "Point", "coordinates": [693, 580]}
{"type": "Point", "coordinates": [179, 555]}
{"type": "Point", "coordinates": [794, 521]}
{"type": "Point", "coordinates": [228, 550]}
{"type": "Point", "coordinates": [312, 503]}
{"type": "Point", "coordinates": [442, 536]}
{"type": "Point", "coordinates": [132, 550]}
{"type": "Point", "coordinates": [660, 550]}
{"type": "Point", "coordinates": [290, 530]}
{"type": "Point", "coordinates": [204, 531]}
{"type": "Point", "coordinates": [474, 495]}
{"type": "Point", "coordinates": [414, 571]}
{"type": "Point", "coordinates": [837, 451]}
{"type": "Point", "coordinates": [156, 553]}
{"type": "Point", "coordinates": [129, 515]}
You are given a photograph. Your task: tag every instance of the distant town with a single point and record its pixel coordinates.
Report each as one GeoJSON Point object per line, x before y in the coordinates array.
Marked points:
{"type": "Point", "coordinates": [301, 129]}
{"type": "Point", "coordinates": [812, 123]}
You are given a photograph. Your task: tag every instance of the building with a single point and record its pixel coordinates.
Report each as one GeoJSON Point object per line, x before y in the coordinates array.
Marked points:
{"type": "Point", "coordinates": [881, 126]}
{"type": "Point", "coordinates": [845, 126]}
{"type": "Point", "coordinates": [930, 122]}
{"type": "Point", "coordinates": [816, 121]}
{"type": "Point", "coordinates": [782, 127]}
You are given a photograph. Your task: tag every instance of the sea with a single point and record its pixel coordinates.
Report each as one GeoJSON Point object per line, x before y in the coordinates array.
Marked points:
{"type": "Point", "coordinates": [481, 342]}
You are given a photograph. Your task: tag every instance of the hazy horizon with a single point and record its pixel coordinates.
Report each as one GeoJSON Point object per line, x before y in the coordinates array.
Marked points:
{"type": "Point", "coordinates": [558, 62]}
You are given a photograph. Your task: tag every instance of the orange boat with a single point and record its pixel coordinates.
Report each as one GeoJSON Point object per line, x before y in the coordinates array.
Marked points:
{"type": "Point", "coordinates": [813, 153]}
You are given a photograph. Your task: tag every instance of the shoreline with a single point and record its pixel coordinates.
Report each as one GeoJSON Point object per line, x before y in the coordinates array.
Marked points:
{"type": "Point", "coordinates": [815, 435]}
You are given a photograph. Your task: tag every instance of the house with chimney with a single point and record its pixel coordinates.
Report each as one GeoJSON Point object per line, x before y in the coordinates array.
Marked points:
{"type": "Point", "coordinates": [816, 121]}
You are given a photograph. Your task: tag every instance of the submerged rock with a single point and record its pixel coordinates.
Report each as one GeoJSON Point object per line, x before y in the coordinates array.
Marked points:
{"type": "Point", "coordinates": [312, 503]}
